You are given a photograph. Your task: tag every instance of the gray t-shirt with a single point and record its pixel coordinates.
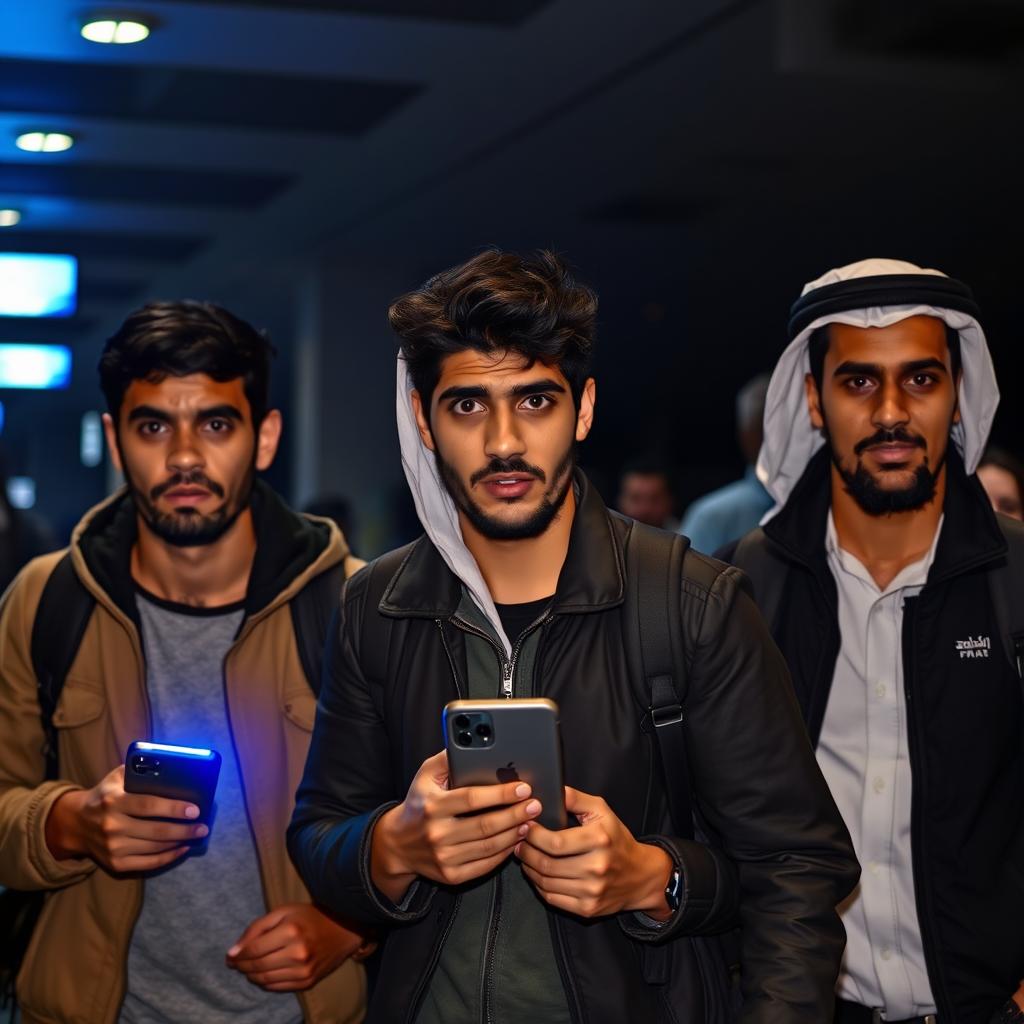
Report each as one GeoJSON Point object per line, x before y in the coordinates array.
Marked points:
{"type": "Point", "coordinates": [195, 910]}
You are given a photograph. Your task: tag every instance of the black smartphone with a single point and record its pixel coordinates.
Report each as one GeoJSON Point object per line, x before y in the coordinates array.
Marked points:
{"type": "Point", "coordinates": [493, 741]}
{"type": "Point", "coordinates": [177, 773]}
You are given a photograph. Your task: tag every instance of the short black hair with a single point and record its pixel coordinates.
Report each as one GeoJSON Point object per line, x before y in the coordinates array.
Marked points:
{"type": "Point", "coordinates": [496, 301]}
{"type": "Point", "coordinates": [175, 339]}
{"type": "Point", "coordinates": [817, 346]}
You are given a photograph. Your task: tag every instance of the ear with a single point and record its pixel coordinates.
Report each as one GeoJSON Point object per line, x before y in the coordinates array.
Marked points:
{"type": "Point", "coordinates": [110, 432]}
{"type": "Point", "coordinates": [422, 423]}
{"type": "Point", "coordinates": [956, 397]}
{"type": "Point", "coordinates": [585, 416]}
{"type": "Point", "coordinates": [268, 438]}
{"type": "Point", "coordinates": [813, 402]}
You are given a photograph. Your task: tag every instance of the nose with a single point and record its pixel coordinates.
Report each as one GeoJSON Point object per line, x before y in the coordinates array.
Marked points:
{"type": "Point", "coordinates": [184, 455]}
{"type": "Point", "coordinates": [891, 410]}
{"type": "Point", "coordinates": [503, 439]}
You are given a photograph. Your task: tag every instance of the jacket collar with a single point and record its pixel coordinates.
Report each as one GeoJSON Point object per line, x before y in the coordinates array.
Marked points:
{"type": "Point", "coordinates": [971, 536]}
{"type": "Point", "coordinates": [290, 548]}
{"type": "Point", "coordinates": [592, 577]}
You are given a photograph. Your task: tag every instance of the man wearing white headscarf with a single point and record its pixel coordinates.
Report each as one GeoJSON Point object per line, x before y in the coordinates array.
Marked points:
{"type": "Point", "coordinates": [883, 573]}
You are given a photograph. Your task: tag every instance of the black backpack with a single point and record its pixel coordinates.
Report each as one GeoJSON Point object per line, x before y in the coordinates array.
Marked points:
{"type": "Point", "coordinates": [64, 610]}
{"type": "Point", "coordinates": [655, 566]}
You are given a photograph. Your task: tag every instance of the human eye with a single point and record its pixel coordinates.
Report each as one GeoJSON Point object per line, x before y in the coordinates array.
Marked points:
{"type": "Point", "coordinates": [536, 403]}
{"type": "Point", "coordinates": [151, 428]}
{"type": "Point", "coordinates": [858, 384]}
{"type": "Point", "coordinates": [465, 406]}
{"type": "Point", "coordinates": [923, 380]}
{"type": "Point", "coordinates": [218, 425]}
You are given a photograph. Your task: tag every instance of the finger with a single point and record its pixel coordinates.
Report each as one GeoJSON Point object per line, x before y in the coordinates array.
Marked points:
{"type": "Point", "coordinates": [568, 842]}
{"type": "Point", "coordinates": [436, 768]}
{"type": "Point", "coordinates": [500, 845]}
{"type": "Point", "coordinates": [544, 864]}
{"type": "Point", "coordinates": [142, 805]}
{"type": "Point", "coordinates": [159, 831]}
{"type": "Point", "coordinates": [483, 826]}
{"type": "Point", "coordinates": [290, 974]}
{"type": "Point", "coordinates": [267, 952]}
{"type": "Point", "coordinates": [467, 799]}
{"type": "Point", "coordinates": [138, 863]}
{"type": "Point", "coordinates": [552, 885]}
{"type": "Point", "coordinates": [582, 804]}
{"type": "Point", "coordinates": [262, 924]}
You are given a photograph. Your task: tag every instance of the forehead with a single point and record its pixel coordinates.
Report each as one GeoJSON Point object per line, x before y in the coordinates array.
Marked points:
{"type": "Point", "coordinates": [495, 371]}
{"type": "Point", "coordinates": [917, 337]}
{"type": "Point", "coordinates": [187, 394]}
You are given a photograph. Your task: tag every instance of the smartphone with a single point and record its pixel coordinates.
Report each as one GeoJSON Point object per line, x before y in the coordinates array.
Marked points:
{"type": "Point", "coordinates": [493, 741]}
{"type": "Point", "coordinates": [177, 773]}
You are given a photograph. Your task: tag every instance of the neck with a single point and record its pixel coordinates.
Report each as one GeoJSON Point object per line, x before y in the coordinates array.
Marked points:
{"type": "Point", "coordinates": [885, 545]}
{"type": "Point", "coordinates": [518, 571]}
{"type": "Point", "coordinates": [205, 576]}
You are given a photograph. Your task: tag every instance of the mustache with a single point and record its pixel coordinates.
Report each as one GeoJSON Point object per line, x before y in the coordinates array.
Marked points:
{"type": "Point", "coordinates": [195, 479]}
{"type": "Point", "coordinates": [497, 466]}
{"type": "Point", "coordinates": [899, 435]}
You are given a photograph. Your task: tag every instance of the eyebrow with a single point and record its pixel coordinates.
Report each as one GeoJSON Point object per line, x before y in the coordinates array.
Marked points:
{"type": "Point", "coordinates": [225, 411]}
{"type": "Point", "coordinates": [536, 387]}
{"type": "Point", "coordinates": [850, 368]}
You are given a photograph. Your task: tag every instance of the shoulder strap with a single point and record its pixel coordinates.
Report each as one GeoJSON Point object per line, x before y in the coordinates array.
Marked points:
{"type": "Point", "coordinates": [312, 608]}
{"type": "Point", "coordinates": [63, 613]}
{"type": "Point", "coordinates": [654, 566]}
{"type": "Point", "coordinates": [1007, 588]}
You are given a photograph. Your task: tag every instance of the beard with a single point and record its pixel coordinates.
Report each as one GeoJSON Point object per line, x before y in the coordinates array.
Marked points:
{"type": "Point", "coordinates": [870, 495]}
{"type": "Point", "coordinates": [494, 528]}
{"type": "Point", "coordinates": [187, 527]}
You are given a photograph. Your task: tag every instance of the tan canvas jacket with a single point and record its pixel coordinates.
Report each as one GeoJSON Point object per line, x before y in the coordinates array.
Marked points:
{"type": "Point", "coordinates": [75, 968]}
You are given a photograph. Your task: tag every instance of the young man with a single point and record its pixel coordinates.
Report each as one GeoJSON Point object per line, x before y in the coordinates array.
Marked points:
{"type": "Point", "coordinates": [882, 574]}
{"type": "Point", "coordinates": [191, 571]}
{"type": "Point", "coordinates": [518, 589]}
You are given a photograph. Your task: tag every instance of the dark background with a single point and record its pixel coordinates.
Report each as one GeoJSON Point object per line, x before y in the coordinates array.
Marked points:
{"type": "Point", "coordinates": [304, 162]}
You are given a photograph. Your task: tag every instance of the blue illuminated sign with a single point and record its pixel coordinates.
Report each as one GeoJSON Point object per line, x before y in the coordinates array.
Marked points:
{"type": "Point", "coordinates": [35, 366]}
{"type": "Point", "coordinates": [37, 284]}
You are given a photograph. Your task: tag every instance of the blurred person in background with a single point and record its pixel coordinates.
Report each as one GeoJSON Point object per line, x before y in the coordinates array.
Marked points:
{"type": "Point", "coordinates": [897, 597]}
{"type": "Point", "coordinates": [724, 515]}
{"type": "Point", "coordinates": [1002, 476]}
{"type": "Point", "coordinates": [23, 536]}
{"type": "Point", "coordinates": [200, 590]}
{"type": "Point", "coordinates": [646, 493]}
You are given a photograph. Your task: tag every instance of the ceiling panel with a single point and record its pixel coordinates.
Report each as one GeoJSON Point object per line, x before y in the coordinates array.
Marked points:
{"type": "Point", "coordinates": [488, 12]}
{"type": "Point", "coordinates": [140, 184]}
{"type": "Point", "coordinates": [95, 244]}
{"type": "Point", "coordinates": [179, 96]}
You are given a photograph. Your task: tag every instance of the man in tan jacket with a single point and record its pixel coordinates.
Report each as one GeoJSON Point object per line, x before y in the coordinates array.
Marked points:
{"type": "Point", "coordinates": [149, 916]}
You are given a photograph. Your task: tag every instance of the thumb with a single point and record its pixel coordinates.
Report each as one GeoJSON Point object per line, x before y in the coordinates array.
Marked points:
{"type": "Point", "coordinates": [436, 768]}
{"type": "Point", "coordinates": [583, 805]}
{"type": "Point", "coordinates": [258, 927]}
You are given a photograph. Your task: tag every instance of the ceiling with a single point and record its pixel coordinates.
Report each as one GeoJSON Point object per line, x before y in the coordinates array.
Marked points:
{"type": "Point", "coordinates": [698, 160]}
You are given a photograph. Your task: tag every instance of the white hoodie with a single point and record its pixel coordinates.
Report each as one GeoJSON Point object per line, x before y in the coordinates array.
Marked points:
{"type": "Point", "coordinates": [790, 440]}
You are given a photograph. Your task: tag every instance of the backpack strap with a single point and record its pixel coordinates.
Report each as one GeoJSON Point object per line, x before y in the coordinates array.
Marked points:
{"type": "Point", "coordinates": [65, 607]}
{"type": "Point", "coordinates": [312, 609]}
{"type": "Point", "coordinates": [1007, 587]}
{"type": "Point", "coordinates": [654, 567]}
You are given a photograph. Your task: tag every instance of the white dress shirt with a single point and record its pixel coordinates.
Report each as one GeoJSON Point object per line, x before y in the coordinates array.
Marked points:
{"type": "Point", "coordinates": [864, 757]}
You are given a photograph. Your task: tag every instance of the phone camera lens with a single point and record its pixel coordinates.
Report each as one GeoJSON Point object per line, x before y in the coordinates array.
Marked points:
{"type": "Point", "coordinates": [465, 739]}
{"type": "Point", "coordinates": [483, 730]}
{"type": "Point", "coordinates": [462, 721]}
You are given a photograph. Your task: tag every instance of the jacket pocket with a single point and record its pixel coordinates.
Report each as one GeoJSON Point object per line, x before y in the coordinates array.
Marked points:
{"type": "Point", "coordinates": [79, 704]}
{"type": "Point", "coordinates": [300, 709]}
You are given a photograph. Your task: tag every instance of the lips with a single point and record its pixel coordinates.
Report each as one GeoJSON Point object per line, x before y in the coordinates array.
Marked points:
{"type": "Point", "coordinates": [892, 453]}
{"type": "Point", "coordinates": [187, 495]}
{"type": "Point", "coordinates": [508, 486]}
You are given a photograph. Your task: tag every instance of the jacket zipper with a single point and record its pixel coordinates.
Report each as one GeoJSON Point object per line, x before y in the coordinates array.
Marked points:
{"type": "Point", "coordinates": [918, 800]}
{"type": "Point", "coordinates": [421, 987]}
{"type": "Point", "coordinates": [508, 665]}
{"type": "Point", "coordinates": [490, 951]}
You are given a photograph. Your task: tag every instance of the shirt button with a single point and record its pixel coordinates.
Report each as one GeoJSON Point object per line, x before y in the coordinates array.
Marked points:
{"type": "Point", "coordinates": [878, 784]}
{"type": "Point", "coordinates": [880, 689]}
{"type": "Point", "coordinates": [886, 953]}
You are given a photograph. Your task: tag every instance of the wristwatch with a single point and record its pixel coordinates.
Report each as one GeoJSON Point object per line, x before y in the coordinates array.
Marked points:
{"type": "Point", "coordinates": [674, 889]}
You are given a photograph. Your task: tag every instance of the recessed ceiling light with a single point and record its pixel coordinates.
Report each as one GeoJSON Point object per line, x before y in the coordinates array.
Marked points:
{"type": "Point", "coordinates": [109, 28]}
{"type": "Point", "coordinates": [44, 142]}
{"type": "Point", "coordinates": [8, 218]}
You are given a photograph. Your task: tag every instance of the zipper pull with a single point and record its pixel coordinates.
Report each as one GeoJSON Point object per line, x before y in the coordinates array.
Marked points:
{"type": "Point", "coordinates": [1018, 650]}
{"type": "Point", "coordinates": [506, 680]}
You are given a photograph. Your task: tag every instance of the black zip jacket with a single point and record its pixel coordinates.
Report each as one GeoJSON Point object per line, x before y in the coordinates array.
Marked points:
{"type": "Point", "coordinates": [398, 657]}
{"type": "Point", "coordinates": [964, 721]}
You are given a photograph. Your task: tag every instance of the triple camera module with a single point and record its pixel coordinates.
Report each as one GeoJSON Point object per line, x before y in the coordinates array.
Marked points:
{"type": "Point", "coordinates": [473, 729]}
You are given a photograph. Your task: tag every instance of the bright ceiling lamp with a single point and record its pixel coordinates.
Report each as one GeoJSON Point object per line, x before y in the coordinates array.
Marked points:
{"type": "Point", "coordinates": [106, 28]}
{"type": "Point", "coordinates": [8, 218]}
{"type": "Point", "coordinates": [44, 142]}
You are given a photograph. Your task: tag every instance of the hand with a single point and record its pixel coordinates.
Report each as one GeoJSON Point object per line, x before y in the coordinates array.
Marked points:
{"type": "Point", "coordinates": [115, 829]}
{"type": "Point", "coordinates": [598, 868]}
{"type": "Point", "coordinates": [293, 947]}
{"type": "Point", "coordinates": [424, 835]}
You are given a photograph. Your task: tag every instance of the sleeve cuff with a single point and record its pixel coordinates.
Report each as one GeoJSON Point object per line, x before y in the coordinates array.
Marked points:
{"type": "Point", "coordinates": [419, 895]}
{"type": "Point", "coordinates": [51, 873]}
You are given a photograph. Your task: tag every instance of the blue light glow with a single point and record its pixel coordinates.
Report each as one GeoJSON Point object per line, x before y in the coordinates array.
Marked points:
{"type": "Point", "coordinates": [35, 366]}
{"type": "Point", "coordinates": [37, 284]}
{"type": "Point", "coordinates": [169, 748]}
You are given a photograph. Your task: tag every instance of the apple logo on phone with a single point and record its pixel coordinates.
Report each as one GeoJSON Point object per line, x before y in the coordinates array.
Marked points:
{"type": "Point", "coordinates": [508, 773]}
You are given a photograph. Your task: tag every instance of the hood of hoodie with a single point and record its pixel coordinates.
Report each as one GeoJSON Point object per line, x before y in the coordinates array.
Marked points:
{"type": "Point", "coordinates": [290, 549]}
{"type": "Point", "coordinates": [791, 440]}
{"type": "Point", "coordinates": [434, 506]}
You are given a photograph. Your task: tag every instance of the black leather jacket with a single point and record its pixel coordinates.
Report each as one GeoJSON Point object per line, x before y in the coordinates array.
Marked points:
{"type": "Point", "coordinates": [397, 658]}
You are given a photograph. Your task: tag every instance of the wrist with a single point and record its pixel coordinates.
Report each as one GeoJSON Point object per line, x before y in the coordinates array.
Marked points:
{"type": "Point", "coordinates": [656, 872]}
{"type": "Point", "coordinates": [62, 829]}
{"type": "Point", "coordinates": [388, 870]}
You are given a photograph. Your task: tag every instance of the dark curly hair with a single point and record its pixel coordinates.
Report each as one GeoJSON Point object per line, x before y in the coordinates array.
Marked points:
{"type": "Point", "coordinates": [493, 302]}
{"type": "Point", "coordinates": [175, 339]}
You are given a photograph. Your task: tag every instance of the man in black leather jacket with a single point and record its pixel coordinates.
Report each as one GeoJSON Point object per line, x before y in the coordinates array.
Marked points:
{"type": "Point", "coordinates": [518, 589]}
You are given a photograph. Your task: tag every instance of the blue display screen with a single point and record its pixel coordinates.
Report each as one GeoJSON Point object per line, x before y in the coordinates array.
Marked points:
{"type": "Point", "coordinates": [38, 284]}
{"type": "Point", "coordinates": [35, 366]}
